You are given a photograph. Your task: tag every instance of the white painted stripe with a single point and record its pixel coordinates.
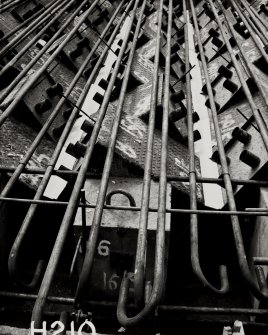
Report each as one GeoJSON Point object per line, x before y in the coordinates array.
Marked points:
{"type": "Point", "coordinates": [56, 184]}
{"type": "Point", "coordinates": [203, 148]}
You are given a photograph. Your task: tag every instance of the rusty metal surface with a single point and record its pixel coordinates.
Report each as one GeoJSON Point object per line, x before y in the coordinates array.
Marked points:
{"type": "Point", "coordinates": [131, 145]}
{"type": "Point", "coordinates": [15, 139]}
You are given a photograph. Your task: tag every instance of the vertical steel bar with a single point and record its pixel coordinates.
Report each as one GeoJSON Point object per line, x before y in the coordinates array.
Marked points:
{"type": "Point", "coordinates": [72, 205]}
{"type": "Point", "coordinates": [192, 176]}
{"type": "Point", "coordinates": [96, 221]}
{"type": "Point", "coordinates": [84, 222]}
{"type": "Point", "coordinates": [159, 271]}
{"type": "Point", "coordinates": [14, 253]}
{"type": "Point", "coordinates": [73, 267]}
{"type": "Point", "coordinates": [140, 263]}
{"type": "Point", "coordinates": [226, 176]}
{"type": "Point", "coordinates": [64, 318]}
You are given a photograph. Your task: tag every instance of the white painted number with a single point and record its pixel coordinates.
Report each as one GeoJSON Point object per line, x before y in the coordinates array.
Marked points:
{"type": "Point", "coordinates": [103, 248]}
{"type": "Point", "coordinates": [112, 283]}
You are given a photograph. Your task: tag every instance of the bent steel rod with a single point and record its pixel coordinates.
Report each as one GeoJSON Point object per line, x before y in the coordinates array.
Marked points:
{"type": "Point", "coordinates": [31, 28]}
{"type": "Point", "coordinates": [14, 253]}
{"type": "Point", "coordinates": [140, 263]}
{"type": "Point", "coordinates": [96, 221]}
{"type": "Point", "coordinates": [195, 260]}
{"type": "Point", "coordinates": [245, 58]}
{"type": "Point", "coordinates": [259, 270]}
{"type": "Point", "coordinates": [252, 30]}
{"type": "Point", "coordinates": [74, 198]}
{"type": "Point", "coordinates": [159, 267]}
{"type": "Point", "coordinates": [226, 175]}
{"type": "Point", "coordinates": [27, 47]}
{"type": "Point", "coordinates": [31, 81]}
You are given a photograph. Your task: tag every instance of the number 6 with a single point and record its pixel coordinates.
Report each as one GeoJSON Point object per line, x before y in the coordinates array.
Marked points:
{"type": "Point", "coordinates": [103, 248]}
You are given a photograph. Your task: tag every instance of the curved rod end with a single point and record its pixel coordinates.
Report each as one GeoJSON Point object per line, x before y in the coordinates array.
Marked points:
{"type": "Point", "coordinates": [14, 273]}
{"type": "Point", "coordinates": [224, 288]}
{"type": "Point", "coordinates": [122, 317]}
{"type": "Point", "coordinates": [122, 301]}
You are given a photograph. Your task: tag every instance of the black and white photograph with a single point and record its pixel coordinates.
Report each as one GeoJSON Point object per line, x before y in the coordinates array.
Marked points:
{"type": "Point", "coordinates": [133, 149]}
